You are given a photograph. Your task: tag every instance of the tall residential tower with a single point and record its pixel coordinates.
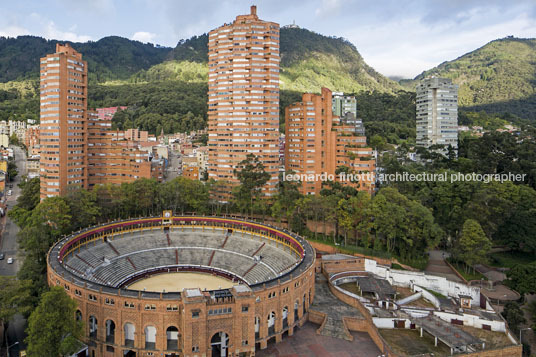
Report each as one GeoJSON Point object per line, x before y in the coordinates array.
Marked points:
{"type": "Point", "coordinates": [243, 97]}
{"type": "Point", "coordinates": [437, 113]}
{"type": "Point", "coordinates": [318, 142]}
{"type": "Point", "coordinates": [63, 126]}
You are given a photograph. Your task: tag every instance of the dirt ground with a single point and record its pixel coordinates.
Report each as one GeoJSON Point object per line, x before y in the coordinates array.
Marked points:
{"type": "Point", "coordinates": [176, 282]}
{"type": "Point", "coordinates": [492, 339]}
{"type": "Point", "coordinates": [409, 343]}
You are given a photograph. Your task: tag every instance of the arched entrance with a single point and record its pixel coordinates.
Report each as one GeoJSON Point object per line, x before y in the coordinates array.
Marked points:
{"type": "Point", "coordinates": [271, 323]}
{"type": "Point", "coordinates": [172, 335]}
{"type": "Point", "coordinates": [110, 331]}
{"type": "Point", "coordinates": [257, 326]}
{"type": "Point", "coordinates": [129, 331]}
{"type": "Point", "coordinates": [92, 327]}
{"type": "Point", "coordinates": [285, 317]}
{"type": "Point", "coordinates": [219, 343]}
{"type": "Point", "coordinates": [150, 337]}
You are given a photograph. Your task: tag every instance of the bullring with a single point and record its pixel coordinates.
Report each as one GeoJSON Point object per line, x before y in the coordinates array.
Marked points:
{"type": "Point", "coordinates": [269, 274]}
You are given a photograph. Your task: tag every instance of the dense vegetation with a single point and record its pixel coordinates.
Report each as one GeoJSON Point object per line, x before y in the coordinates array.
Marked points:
{"type": "Point", "coordinates": [173, 106]}
{"type": "Point", "coordinates": [109, 58]}
{"type": "Point", "coordinates": [498, 77]}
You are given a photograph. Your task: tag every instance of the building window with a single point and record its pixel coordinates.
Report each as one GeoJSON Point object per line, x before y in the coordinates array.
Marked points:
{"type": "Point", "coordinates": [108, 301]}
{"type": "Point", "coordinates": [129, 305]}
{"type": "Point", "coordinates": [195, 349]}
{"type": "Point", "coordinates": [92, 297]}
{"type": "Point", "coordinates": [195, 314]}
{"type": "Point", "coordinates": [245, 308]}
{"type": "Point", "coordinates": [244, 342]}
{"type": "Point", "coordinates": [150, 307]}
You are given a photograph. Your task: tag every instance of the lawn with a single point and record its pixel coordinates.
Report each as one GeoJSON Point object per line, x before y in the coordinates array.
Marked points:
{"type": "Point", "coordinates": [509, 259]}
{"type": "Point", "coordinates": [470, 274]}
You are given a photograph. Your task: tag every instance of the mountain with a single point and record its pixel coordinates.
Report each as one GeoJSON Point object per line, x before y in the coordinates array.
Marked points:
{"type": "Point", "coordinates": [497, 77]}
{"type": "Point", "coordinates": [309, 61]}
{"type": "Point", "coordinates": [109, 58]}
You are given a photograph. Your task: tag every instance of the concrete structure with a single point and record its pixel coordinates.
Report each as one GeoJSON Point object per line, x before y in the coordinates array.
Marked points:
{"type": "Point", "coordinates": [137, 135]}
{"type": "Point", "coordinates": [33, 166]}
{"type": "Point", "coordinates": [63, 130]}
{"type": "Point", "coordinates": [437, 113]}
{"type": "Point", "coordinates": [343, 104]}
{"type": "Point", "coordinates": [243, 98]}
{"type": "Point", "coordinates": [273, 268]}
{"type": "Point", "coordinates": [32, 140]}
{"type": "Point", "coordinates": [4, 140]}
{"type": "Point", "coordinates": [319, 143]}
{"type": "Point", "coordinates": [422, 308]}
{"type": "Point", "coordinates": [202, 157]}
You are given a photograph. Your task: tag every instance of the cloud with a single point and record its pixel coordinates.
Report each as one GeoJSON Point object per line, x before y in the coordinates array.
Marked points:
{"type": "Point", "coordinates": [51, 31]}
{"type": "Point", "coordinates": [13, 31]}
{"type": "Point", "coordinates": [328, 8]}
{"type": "Point", "coordinates": [143, 36]}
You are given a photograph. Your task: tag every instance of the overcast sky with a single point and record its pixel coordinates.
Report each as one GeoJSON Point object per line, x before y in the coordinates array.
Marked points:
{"type": "Point", "coordinates": [396, 37]}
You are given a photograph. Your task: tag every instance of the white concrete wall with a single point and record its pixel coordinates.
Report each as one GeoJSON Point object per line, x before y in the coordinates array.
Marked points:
{"type": "Point", "coordinates": [431, 282]}
{"type": "Point", "coordinates": [389, 322]}
{"type": "Point", "coordinates": [472, 320]}
{"type": "Point", "coordinates": [428, 296]}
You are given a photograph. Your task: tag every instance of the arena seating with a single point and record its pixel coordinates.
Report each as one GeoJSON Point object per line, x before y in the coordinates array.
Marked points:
{"type": "Point", "coordinates": [253, 258]}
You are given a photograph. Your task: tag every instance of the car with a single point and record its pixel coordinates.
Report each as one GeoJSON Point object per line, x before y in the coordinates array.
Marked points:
{"type": "Point", "coordinates": [2, 256]}
{"type": "Point", "coordinates": [9, 192]}
{"type": "Point", "coordinates": [10, 260]}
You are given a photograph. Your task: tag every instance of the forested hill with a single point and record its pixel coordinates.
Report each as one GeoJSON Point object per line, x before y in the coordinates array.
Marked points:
{"type": "Point", "coordinates": [309, 61]}
{"type": "Point", "coordinates": [111, 57]}
{"type": "Point", "coordinates": [497, 77]}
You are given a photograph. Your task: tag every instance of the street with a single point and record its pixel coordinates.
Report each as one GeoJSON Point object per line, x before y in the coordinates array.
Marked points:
{"type": "Point", "coordinates": [8, 240]}
{"type": "Point", "coordinates": [9, 246]}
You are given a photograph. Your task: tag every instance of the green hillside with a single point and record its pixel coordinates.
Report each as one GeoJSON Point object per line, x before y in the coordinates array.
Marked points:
{"type": "Point", "coordinates": [498, 77]}
{"type": "Point", "coordinates": [309, 61]}
{"type": "Point", "coordinates": [111, 57]}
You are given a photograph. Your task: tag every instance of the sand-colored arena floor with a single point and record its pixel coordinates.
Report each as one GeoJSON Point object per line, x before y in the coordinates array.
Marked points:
{"type": "Point", "coordinates": [176, 282]}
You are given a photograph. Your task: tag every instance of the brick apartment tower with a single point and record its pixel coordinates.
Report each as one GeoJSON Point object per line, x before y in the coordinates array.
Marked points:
{"type": "Point", "coordinates": [63, 126]}
{"type": "Point", "coordinates": [318, 142]}
{"type": "Point", "coordinates": [243, 97]}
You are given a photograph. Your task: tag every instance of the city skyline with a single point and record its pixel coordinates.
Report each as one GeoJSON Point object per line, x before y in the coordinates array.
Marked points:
{"type": "Point", "coordinates": [396, 42]}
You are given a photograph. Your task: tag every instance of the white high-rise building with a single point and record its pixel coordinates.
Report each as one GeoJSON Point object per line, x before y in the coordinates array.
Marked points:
{"type": "Point", "coordinates": [437, 113]}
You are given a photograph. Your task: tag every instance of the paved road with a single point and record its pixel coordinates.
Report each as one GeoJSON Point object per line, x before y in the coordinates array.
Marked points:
{"type": "Point", "coordinates": [174, 163]}
{"type": "Point", "coordinates": [437, 266]}
{"type": "Point", "coordinates": [8, 241]}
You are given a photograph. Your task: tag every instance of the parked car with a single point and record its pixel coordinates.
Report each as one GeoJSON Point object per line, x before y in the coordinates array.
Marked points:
{"type": "Point", "coordinates": [9, 192]}
{"type": "Point", "coordinates": [10, 260]}
{"type": "Point", "coordinates": [2, 256]}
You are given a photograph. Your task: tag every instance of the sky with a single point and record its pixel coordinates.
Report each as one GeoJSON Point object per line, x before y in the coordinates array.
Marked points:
{"type": "Point", "coordinates": [396, 37]}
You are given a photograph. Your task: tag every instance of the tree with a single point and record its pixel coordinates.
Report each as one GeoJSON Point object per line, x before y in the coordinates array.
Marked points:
{"type": "Point", "coordinates": [286, 198]}
{"type": "Point", "coordinates": [12, 169]}
{"type": "Point", "coordinates": [473, 245]}
{"type": "Point", "coordinates": [84, 203]}
{"type": "Point", "coordinates": [518, 278]}
{"type": "Point", "coordinates": [15, 297]}
{"type": "Point", "coordinates": [405, 226]}
{"type": "Point", "coordinates": [13, 139]}
{"type": "Point", "coordinates": [52, 328]}
{"type": "Point", "coordinates": [513, 315]}
{"type": "Point", "coordinates": [252, 179]}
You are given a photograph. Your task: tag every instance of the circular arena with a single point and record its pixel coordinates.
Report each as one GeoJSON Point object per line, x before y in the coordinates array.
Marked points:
{"type": "Point", "coordinates": [184, 285]}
